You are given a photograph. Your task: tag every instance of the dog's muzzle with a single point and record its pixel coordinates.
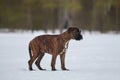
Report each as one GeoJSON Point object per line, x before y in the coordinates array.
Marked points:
{"type": "Point", "coordinates": [78, 37]}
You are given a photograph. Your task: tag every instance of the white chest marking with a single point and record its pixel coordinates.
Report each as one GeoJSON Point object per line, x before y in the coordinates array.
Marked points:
{"type": "Point", "coordinates": [65, 47]}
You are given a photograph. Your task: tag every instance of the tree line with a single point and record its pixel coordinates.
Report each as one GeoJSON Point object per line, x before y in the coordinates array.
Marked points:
{"type": "Point", "coordinates": [101, 15]}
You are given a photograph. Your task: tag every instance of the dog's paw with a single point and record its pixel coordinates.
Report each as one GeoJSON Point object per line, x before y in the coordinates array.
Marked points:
{"type": "Point", "coordinates": [54, 69]}
{"type": "Point", "coordinates": [64, 69]}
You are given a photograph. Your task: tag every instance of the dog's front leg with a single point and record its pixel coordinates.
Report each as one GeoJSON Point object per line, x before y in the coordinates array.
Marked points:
{"type": "Point", "coordinates": [53, 62]}
{"type": "Point", "coordinates": [62, 59]}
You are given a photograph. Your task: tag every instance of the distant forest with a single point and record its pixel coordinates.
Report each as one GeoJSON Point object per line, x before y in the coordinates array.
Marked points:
{"type": "Point", "coordinates": [101, 15]}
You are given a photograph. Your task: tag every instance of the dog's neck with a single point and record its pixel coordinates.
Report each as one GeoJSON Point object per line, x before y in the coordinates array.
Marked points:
{"type": "Point", "coordinates": [65, 36]}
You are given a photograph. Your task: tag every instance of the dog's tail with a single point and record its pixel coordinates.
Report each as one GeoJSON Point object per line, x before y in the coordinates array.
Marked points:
{"type": "Point", "coordinates": [30, 51]}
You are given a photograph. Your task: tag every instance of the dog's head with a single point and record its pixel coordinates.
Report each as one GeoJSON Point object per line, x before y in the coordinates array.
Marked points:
{"type": "Point", "coordinates": [75, 33]}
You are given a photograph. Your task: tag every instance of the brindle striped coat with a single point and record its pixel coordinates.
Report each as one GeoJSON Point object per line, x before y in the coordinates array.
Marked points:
{"type": "Point", "coordinates": [52, 44]}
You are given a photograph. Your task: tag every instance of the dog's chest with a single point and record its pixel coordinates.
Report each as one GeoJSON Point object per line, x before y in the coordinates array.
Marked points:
{"type": "Point", "coordinates": [64, 47]}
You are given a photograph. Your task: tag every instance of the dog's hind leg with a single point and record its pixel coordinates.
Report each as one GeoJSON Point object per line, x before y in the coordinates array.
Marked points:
{"type": "Point", "coordinates": [39, 60]}
{"type": "Point", "coordinates": [30, 62]}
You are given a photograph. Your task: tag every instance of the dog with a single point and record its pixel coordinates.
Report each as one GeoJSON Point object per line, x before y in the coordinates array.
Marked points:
{"type": "Point", "coordinates": [54, 45]}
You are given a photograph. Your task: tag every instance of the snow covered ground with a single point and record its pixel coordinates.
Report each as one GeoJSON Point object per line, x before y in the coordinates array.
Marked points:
{"type": "Point", "coordinates": [96, 57]}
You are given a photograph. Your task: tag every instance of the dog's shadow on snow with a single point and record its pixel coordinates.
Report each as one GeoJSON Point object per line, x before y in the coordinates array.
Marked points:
{"type": "Point", "coordinates": [58, 70]}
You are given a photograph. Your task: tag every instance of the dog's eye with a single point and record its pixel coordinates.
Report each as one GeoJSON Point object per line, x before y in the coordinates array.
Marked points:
{"type": "Point", "coordinates": [77, 33]}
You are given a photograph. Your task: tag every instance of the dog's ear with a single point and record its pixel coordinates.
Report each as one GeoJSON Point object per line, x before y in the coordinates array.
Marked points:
{"type": "Point", "coordinates": [70, 29]}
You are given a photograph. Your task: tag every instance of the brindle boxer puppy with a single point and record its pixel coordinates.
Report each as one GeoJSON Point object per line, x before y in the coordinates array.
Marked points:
{"type": "Point", "coordinates": [52, 44]}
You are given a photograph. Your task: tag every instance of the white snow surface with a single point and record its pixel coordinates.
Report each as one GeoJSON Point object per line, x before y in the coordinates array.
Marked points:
{"type": "Point", "coordinates": [96, 57]}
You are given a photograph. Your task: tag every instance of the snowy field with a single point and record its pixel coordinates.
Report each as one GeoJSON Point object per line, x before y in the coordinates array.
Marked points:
{"type": "Point", "coordinates": [96, 57]}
